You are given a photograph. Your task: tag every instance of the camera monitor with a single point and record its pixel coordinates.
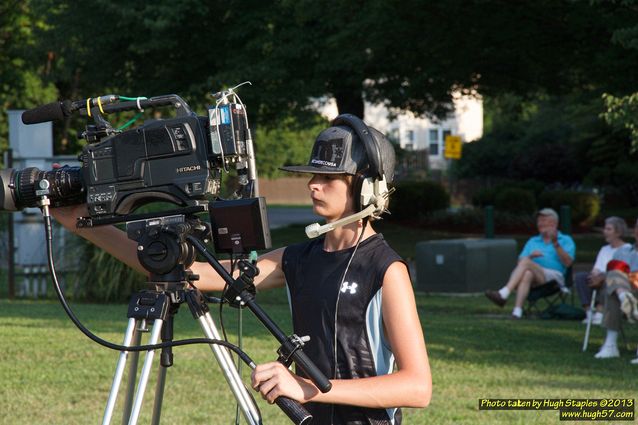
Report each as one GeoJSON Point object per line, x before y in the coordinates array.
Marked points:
{"type": "Point", "coordinates": [239, 226]}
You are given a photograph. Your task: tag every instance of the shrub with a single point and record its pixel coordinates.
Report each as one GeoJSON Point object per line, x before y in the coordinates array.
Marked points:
{"type": "Point", "coordinates": [487, 196]}
{"type": "Point", "coordinates": [472, 220]}
{"type": "Point", "coordinates": [413, 199]}
{"type": "Point", "coordinates": [584, 206]}
{"type": "Point", "coordinates": [515, 201]}
{"type": "Point", "coordinates": [484, 197]}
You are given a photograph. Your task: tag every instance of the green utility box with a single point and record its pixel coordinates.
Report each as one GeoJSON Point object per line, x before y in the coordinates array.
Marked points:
{"type": "Point", "coordinates": [464, 265]}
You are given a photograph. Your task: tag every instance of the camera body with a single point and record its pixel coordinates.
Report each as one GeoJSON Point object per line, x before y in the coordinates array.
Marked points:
{"type": "Point", "coordinates": [162, 160]}
{"type": "Point", "coordinates": [177, 160]}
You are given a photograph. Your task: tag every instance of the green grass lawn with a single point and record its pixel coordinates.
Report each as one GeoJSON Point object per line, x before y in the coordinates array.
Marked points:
{"type": "Point", "coordinates": [52, 374]}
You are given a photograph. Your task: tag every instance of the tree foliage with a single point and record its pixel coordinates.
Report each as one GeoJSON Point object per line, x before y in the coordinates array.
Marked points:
{"type": "Point", "coordinates": [408, 54]}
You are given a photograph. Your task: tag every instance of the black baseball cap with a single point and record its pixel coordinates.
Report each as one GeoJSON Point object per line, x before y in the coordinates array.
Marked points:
{"type": "Point", "coordinates": [338, 150]}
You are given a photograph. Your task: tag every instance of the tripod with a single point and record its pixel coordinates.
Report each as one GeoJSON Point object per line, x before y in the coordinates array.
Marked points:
{"type": "Point", "coordinates": [166, 248]}
{"type": "Point", "coordinates": [156, 308]}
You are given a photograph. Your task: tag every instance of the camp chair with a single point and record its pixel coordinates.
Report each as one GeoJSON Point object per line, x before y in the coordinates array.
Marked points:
{"type": "Point", "coordinates": [545, 296]}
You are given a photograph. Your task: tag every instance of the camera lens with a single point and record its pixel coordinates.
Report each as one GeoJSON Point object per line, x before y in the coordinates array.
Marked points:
{"type": "Point", "coordinates": [18, 187]}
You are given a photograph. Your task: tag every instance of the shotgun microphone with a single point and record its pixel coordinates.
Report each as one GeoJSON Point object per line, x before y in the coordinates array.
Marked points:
{"type": "Point", "coordinates": [55, 111]}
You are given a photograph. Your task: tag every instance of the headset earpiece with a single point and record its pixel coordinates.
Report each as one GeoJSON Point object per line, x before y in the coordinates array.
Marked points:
{"type": "Point", "coordinates": [369, 185]}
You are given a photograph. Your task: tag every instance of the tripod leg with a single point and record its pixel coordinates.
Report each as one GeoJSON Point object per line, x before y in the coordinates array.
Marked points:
{"type": "Point", "coordinates": [159, 395]}
{"type": "Point", "coordinates": [132, 372]}
{"type": "Point", "coordinates": [166, 361]}
{"type": "Point", "coordinates": [244, 401]}
{"type": "Point", "coordinates": [201, 313]}
{"type": "Point", "coordinates": [119, 372]}
{"type": "Point", "coordinates": [146, 370]}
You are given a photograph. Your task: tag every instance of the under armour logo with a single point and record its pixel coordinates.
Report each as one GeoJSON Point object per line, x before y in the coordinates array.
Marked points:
{"type": "Point", "coordinates": [352, 287]}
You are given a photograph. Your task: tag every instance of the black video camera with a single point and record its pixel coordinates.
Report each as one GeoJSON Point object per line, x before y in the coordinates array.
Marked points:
{"type": "Point", "coordinates": [177, 160]}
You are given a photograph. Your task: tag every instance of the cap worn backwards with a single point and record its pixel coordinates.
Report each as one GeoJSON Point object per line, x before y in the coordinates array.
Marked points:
{"type": "Point", "coordinates": [338, 150]}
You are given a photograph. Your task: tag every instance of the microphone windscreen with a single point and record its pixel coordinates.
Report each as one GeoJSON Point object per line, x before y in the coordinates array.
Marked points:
{"type": "Point", "coordinates": [45, 113]}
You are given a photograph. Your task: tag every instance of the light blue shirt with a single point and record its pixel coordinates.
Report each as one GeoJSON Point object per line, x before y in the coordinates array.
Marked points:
{"type": "Point", "coordinates": [629, 255]}
{"type": "Point", "coordinates": [549, 259]}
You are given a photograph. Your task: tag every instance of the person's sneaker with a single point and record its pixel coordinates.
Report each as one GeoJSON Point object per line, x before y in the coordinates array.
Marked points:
{"type": "Point", "coordinates": [607, 352]}
{"type": "Point", "coordinates": [629, 306]}
{"type": "Point", "coordinates": [495, 297]}
{"type": "Point", "coordinates": [634, 361]}
{"type": "Point", "coordinates": [597, 319]}
{"type": "Point", "coordinates": [587, 316]}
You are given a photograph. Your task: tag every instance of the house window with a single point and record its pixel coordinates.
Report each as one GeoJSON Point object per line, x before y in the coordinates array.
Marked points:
{"type": "Point", "coordinates": [409, 146]}
{"type": "Point", "coordinates": [434, 142]}
{"type": "Point", "coordinates": [434, 135]}
{"type": "Point", "coordinates": [410, 136]}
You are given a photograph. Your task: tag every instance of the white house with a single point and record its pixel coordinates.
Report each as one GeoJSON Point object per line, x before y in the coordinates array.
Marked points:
{"type": "Point", "coordinates": [416, 133]}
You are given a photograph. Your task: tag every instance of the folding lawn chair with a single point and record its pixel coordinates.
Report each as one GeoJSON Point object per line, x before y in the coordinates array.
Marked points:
{"type": "Point", "coordinates": [542, 297]}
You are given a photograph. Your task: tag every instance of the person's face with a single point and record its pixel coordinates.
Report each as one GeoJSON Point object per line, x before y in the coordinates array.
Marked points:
{"type": "Point", "coordinates": [610, 233]}
{"type": "Point", "coordinates": [330, 194]}
{"type": "Point", "coordinates": [546, 224]}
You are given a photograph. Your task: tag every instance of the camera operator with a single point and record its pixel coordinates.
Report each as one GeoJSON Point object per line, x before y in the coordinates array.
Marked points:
{"type": "Point", "coordinates": [349, 291]}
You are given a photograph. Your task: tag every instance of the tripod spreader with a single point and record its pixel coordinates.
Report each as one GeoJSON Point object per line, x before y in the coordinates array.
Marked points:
{"type": "Point", "coordinates": [292, 350]}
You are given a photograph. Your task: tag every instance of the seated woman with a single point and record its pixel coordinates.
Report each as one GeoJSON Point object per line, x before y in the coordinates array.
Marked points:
{"type": "Point", "coordinates": [621, 290]}
{"type": "Point", "coordinates": [586, 282]}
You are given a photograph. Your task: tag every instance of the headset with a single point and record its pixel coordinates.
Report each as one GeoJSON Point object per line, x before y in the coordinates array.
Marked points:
{"type": "Point", "coordinates": [370, 187]}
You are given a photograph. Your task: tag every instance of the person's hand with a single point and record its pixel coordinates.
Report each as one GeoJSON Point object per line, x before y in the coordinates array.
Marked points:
{"type": "Point", "coordinates": [595, 280]}
{"type": "Point", "coordinates": [535, 254]}
{"type": "Point", "coordinates": [274, 379]}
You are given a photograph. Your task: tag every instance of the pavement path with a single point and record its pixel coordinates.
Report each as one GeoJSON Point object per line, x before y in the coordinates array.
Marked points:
{"type": "Point", "coordinates": [285, 216]}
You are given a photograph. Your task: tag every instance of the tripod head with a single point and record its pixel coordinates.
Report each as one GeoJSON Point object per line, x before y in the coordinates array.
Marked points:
{"type": "Point", "coordinates": [163, 248]}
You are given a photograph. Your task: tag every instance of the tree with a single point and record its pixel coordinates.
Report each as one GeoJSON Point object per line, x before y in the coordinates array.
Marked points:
{"type": "Point", "coordinates": [20, 83]}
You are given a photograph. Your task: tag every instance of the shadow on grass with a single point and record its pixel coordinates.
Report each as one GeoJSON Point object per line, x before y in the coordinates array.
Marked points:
{"type": "Point", "coordinates": [471, 330]}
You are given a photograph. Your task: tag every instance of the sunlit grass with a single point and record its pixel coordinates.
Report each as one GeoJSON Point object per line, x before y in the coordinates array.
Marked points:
{"type": "Point", "coordinates": [52, 374]}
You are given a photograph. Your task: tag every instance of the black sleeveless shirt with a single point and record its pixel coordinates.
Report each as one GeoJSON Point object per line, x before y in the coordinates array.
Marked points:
{"type": "Point", "coordinates": [314, 282]}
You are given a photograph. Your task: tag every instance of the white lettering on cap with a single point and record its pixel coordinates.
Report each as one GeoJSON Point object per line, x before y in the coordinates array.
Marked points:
{"type": "Point", "coordinates": [322, 162]}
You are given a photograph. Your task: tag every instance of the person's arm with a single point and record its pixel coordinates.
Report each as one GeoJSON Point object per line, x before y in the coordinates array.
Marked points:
{"type": "Point", "coordinates": [409, 386]}
{"type": "Point", "coordinates": [116, 242]}
{"type": "Point", "coordinates": [109, 238]}
{"type": "Point", "coordinates": [603, 257]}
{"type": "Point", "coordinates": [270, 274]}
{"type": "Point", "coordinates": [565, 253]}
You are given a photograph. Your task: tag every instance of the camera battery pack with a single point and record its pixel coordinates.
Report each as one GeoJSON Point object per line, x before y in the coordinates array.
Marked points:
{"type": "Point", "coordinates": [228, 130]}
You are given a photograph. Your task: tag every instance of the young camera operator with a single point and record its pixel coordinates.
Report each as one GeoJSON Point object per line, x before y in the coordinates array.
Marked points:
{"type": "Point", "coordinates": [347, 290]}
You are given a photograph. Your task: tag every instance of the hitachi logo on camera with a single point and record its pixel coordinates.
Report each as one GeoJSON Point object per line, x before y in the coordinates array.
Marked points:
{"type": "Point", "coordinates": [189, 168]}
{"type": "Point", "coordinates": [322, 162]}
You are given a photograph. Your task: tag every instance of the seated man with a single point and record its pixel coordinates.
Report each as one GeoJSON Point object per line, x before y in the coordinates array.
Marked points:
{"type": "Point", "coordinates": [544, 258]}
{"type": "Point", "coordinates": [621, 290]}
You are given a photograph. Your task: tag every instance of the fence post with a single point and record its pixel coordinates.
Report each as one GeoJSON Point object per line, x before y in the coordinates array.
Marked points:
{"type": "Point", "coordinates": [10, 239]}
{"type": "Point", "coordinates": [566, 219]}
{"type": "Point", "coordinates": [489, 222]}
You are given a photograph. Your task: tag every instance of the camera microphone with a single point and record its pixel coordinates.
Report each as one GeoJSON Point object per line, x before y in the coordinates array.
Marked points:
{"type": "Point", "coordinates": [314, 230]}
{"type": "Point", "coordinates": [55, 111]}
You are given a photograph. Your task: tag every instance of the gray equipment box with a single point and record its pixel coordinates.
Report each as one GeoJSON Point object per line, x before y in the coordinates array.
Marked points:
{"type": "Point", "coordinates": [464, 265]}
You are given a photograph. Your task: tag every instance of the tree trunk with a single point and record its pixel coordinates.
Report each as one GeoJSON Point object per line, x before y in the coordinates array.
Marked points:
{"type": "Point", "coordinates": [350, 102]}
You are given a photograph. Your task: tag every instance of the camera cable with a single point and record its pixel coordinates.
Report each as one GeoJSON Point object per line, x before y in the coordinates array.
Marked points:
{"type": "Point", "coordinates": [118, 347]}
